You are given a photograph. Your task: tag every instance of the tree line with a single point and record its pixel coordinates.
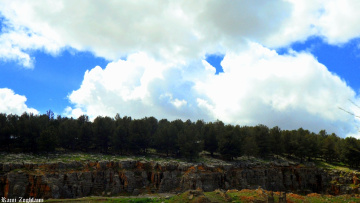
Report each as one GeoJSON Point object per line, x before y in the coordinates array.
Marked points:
{"type": "Point", "coordinates": [124, 135]}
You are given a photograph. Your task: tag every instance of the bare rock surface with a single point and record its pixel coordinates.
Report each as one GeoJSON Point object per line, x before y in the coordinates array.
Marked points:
{"type": "Point", "coordinates": [108, 178]}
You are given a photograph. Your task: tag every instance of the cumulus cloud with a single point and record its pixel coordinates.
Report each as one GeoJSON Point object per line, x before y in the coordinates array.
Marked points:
{"type": "Point", "coordinates": [291, 91]}
{"type": "Point", "coordinates": [335, 21]}
{"type": "Point", "coordinates": [172, 30]}
{"type": "Point", "coordinates": [12, 103]}
{"type": "Point", "coordinates": [257, 86]}
{"type": "Point", "coordinates": [140, 86]}
{"type": "Point", "coordinates": [339, 21]}
{"type": "Point", "coordinates": [175, 30]}
{"type": "Point", "coordinates": [164, 43]}
{"type": "Point", "coordinates": [17, 41]}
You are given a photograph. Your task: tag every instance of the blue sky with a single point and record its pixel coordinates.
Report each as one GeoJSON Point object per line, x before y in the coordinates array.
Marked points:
{"type": "Point", "coordinates": [54, 77]}
{"type": "Point", "coordinates": [343, 60]}
{"type": "Point", "coordinates": [286, 63]}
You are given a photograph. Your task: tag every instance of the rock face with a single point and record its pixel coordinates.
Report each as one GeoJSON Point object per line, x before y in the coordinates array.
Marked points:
{"type": "Point", "coordinates": [76, 179]}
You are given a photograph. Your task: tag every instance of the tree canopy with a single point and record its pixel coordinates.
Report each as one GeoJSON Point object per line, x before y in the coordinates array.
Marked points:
{"type": "Point", "coordinates": [124, 135]}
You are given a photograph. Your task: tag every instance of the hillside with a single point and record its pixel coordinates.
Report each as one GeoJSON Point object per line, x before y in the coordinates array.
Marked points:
{"type": "Point", "coordinates": [80, 175]}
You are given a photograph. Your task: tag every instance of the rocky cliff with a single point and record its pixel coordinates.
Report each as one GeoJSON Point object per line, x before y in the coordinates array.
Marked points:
{"type": "Point", "coordinates": [78, 179]}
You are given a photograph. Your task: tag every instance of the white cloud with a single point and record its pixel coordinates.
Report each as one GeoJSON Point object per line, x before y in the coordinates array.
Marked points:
{"type": "Point", "coordinates": [291, 91]}
{"type": "Point", "coordinates": [164, 43]}
{"type": "Point", "coordinates": [340, 21]}
{"type": "Point", "coordinates": [257, 86]}
{"type": "Point", "coordinates": [334, 20]}
{"type": "Point", "coordinates": [139, 86]}
{"type": "Point", "coordinates": [174, 30]}
{"type": "Point", "coordinates": [17, 41]}
{"type": "Point", "coordinates": [171, 30]}
{"type": "Point", "coordinates": [12, 103]}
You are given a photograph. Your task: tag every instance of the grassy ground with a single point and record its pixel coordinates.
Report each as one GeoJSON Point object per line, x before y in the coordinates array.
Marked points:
{"type": "Point", "coordinates": [218, 196]}
{"type": "Point", "coordinates": [204, 157]}
{"type": "Point", "coordinates": [85, 157]}
{"type": "Point", "coordinates": [69, 157]}
{"type": "Point", "coordinates": [335, 166]}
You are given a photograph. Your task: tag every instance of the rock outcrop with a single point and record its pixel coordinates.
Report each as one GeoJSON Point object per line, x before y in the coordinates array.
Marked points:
{"type": "Point", "coordinates": [77, 179]}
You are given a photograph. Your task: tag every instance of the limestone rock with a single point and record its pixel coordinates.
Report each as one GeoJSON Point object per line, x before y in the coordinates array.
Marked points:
{"type": "Point", "coordinates": [77, 179]}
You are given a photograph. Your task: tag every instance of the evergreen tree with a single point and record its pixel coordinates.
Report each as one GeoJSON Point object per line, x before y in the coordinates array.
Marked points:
{"type": "Point", "coordinates": [151, 124]}
{"type": "Point", "coordinates": [68, 134]}
{"type": "Point", "coordinates": [85, 133]}
{"type": "Point", "coordinates": [47, 140]}
{"type": "Point", "coordinates": [250, 147]}
{"type": "Point", "coordinates": [103, 129]}
{"type": "Point", "coordinates": [210, 138]}
{"type": "Point", "coordinates": [230, 143]}
{"type": "Point", "coordinates": [312, 145]}
{"type": "Point", "coordinates": [139, 136]}
{"type": "Point", "coordinates": [189, 143]}
{"type": "Point", "coordinates": [12, 129]}
{"type": "Point", "coordinates": [28, 132]}
{"type": "Point", "coordinates": [301, 143]}
{"type": "Point", "coordinates": [165, 138]}
{"type": "Point", "coordinates": [328, 149]}
{"type": "Point", "coordinates": [43, 133]}
{"type": "Point", "coordinates": [4, 132]}
{"type": "Point", "coordinates": [261, 133]}
{"type": "Point", "coordinates": [276, 141]}
{"type": "Point", "coordinates": [290, 144]}
{"type": "Point", "coordinates": [351, 152]}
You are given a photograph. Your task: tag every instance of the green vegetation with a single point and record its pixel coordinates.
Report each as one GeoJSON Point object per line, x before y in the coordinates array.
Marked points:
{"type": "Point", "coordinates": [333, 166]}
{"type": "Point", "coordinates": [119, 136]}
{"type": "Point", "coordinates": [66, 157]}
{"type": "Point", "coordinates": [108, 199]}
{"type": "Point", "coordinates": [218, 196]}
